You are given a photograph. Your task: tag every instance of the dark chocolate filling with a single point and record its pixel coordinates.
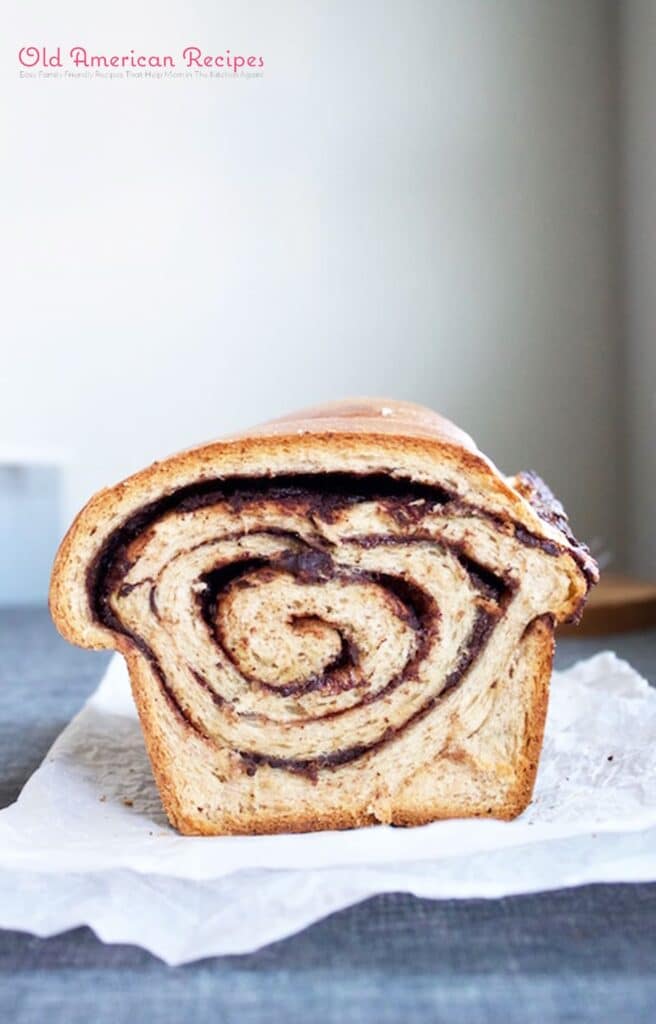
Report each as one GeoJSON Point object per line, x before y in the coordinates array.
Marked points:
{"type": "Point", "coordinates": [321, 496]}
{"type": "Point", "coordinates": [483, 626]}
{"type": "Point", "coordinates": [549, 508]}
{"type": "Point", "coordinates": [340, 675]}
{"type": "Point", "coordinates": [412, 604]}
{"type": "Point", "coordinates": [327, 492]}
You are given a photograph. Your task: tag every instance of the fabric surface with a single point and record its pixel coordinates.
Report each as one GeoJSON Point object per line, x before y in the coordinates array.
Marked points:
{"type": "Point", "coordinates": [584, 954]}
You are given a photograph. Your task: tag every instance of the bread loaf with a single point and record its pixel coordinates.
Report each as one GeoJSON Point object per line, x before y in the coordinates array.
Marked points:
{"type": "Point", "coordinates": [340, 618]}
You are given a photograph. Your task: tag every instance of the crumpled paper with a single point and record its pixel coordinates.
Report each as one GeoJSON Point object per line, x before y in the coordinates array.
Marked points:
{"type": "Point", "coordinates": [87, 842]}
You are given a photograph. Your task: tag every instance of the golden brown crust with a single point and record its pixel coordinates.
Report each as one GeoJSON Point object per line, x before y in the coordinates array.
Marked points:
{"type": "Point", "coordinates": [370, 416]}
{"type": "Point", "coordinates": [487, 771]}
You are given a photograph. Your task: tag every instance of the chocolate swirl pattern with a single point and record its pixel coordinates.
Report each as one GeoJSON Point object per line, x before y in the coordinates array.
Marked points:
{"type": "Point", "coordinates": [328, 646]}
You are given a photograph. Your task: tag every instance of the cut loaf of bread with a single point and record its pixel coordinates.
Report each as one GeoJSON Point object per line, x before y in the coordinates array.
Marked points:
{"type": "Point", "coordinates": [343, 617]}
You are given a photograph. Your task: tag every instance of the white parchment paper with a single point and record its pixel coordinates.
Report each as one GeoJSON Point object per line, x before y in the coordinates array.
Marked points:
{"type": "Point", "coordinates": [87, 842]}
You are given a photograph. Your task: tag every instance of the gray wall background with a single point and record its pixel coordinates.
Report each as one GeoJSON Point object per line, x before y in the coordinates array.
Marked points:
{"type": "Point", "coordinates": [419, 199]}
{"type": "Point", "coordinates": [638, 196]}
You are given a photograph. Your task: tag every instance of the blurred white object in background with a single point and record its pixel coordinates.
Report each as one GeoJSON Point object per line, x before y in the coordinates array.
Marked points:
{"type": "Point", "coordinates": [30, 523]}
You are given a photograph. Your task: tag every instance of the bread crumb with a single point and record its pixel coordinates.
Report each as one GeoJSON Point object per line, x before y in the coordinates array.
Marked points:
{"type": "Point", "coordinates": [128, 803]}
{"type": "Point", "coordinates": [386, 411]}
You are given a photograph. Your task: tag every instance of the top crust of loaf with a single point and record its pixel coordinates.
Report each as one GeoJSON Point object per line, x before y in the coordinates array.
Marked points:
{"type": "Point", "coordinates": [364, 435]}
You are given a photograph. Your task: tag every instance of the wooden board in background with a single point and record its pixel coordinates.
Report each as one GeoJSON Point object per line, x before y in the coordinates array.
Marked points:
{"type": "Point", "coordinates": [616, 605]}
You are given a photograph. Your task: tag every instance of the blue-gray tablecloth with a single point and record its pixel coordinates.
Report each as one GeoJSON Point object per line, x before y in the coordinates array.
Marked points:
{"type": "Point", "coordinates": [587, 954]}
